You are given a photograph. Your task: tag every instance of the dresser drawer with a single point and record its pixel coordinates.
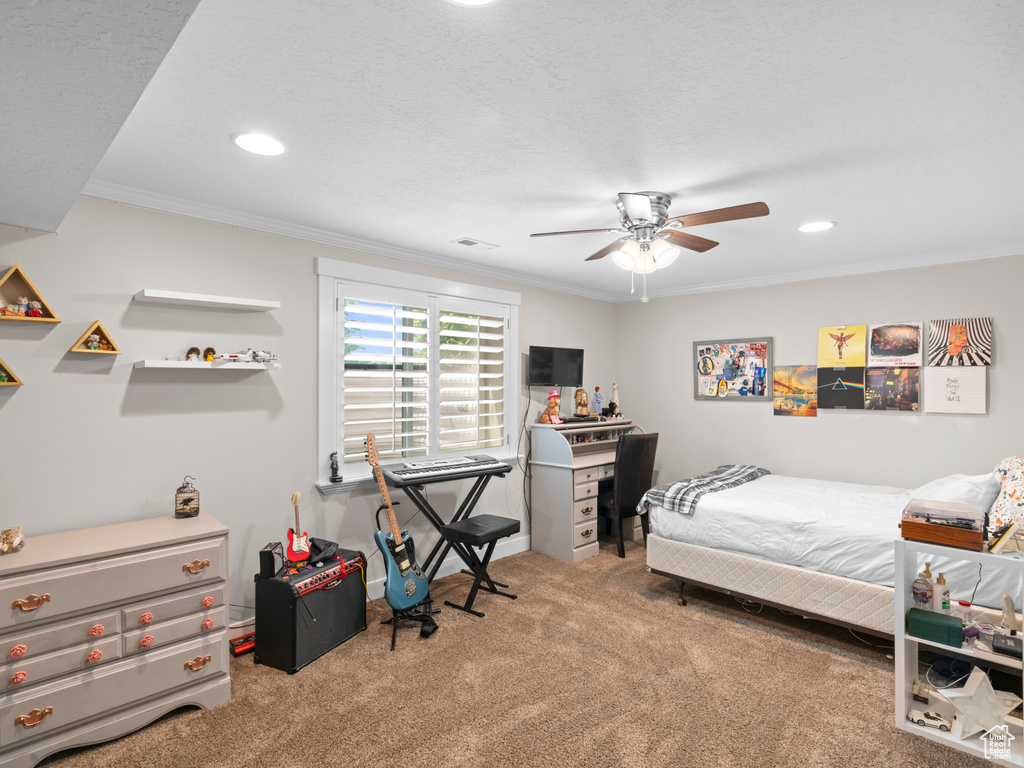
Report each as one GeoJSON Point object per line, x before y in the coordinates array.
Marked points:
{"type": "Point", "coordinates": [39, 668]}
{"type": "Point", "coordinates": [93, 692]}
{"type": "Point", "coordinates": [585, 491]}
{"type": "Point", "coordinates": [23, 644]}
{"type": "Point", "coordinates": [584, 510]}
{"type": "Point", "coordinates": [606, 472]}
{"type": "Point", "coordinates": [588, 475]}
{"type": "Point", "coordinates": [80, 587]}
{"type": "Point", "coordinates": [154, 610]}
{"type": "Point", "coordinates": [584, 533]}
{"type": "Point", "coordinates": [176, 629]}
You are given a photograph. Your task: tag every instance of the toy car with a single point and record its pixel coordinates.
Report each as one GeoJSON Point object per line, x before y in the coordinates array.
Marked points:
{"type": "Point", "coordinates": [930, 719]}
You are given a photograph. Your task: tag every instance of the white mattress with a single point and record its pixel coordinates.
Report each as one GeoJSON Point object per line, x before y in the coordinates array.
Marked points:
{"type": "Point", "coordinates": [836, 528]}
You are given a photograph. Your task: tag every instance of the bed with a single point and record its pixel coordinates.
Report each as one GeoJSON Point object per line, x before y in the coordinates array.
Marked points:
{"type": "Point", "coordinates": [821, 549]}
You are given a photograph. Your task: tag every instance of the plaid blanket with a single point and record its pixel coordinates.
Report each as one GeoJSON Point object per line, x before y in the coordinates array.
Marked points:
{"type": "Point", "coordinates": [682, 496]}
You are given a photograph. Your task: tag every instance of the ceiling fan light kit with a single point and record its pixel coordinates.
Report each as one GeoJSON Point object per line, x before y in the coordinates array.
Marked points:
{"type": "Point", "coordinates": [653, 240]}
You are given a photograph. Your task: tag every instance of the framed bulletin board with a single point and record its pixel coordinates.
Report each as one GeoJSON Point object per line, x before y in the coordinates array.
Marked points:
{"type": "Point", "coordinates": [733, 369]}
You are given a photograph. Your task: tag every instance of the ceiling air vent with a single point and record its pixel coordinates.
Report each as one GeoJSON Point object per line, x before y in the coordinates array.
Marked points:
{"type": "Point", "coordinates": [478, 244]}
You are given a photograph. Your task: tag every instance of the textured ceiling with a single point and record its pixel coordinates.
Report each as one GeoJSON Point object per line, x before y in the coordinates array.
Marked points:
{"type": "Point", "coordinates": [411, 124]}
{"type": "Point", "coordinates": [72, 71]}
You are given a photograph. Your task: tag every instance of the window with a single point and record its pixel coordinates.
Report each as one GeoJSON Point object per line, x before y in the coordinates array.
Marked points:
{"type": "Point", "coordinates": [421, 363]}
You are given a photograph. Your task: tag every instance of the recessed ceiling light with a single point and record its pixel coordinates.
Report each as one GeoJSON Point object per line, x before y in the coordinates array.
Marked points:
{"type": "Point", "coordinates": [817, 226]}
{"type": "Point", "coordinates": [470, 2]}
{"type": "Point", "coordinates": [259, 144]}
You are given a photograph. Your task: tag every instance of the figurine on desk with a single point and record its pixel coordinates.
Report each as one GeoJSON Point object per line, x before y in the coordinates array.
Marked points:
{"type": "Point", "coordinates": [550, 415]}
{"type": "Point", "coordinates": [582, 402]}
{"type": "Point", "coordinates": [598, 397]}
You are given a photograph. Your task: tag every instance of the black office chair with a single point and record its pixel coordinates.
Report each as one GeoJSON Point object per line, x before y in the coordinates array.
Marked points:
{"type": "Point", "coordinates": [634, 474]}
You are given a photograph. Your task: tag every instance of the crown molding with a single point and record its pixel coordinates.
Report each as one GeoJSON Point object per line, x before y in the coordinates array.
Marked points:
{"type": "Point", "coordinates": [168, 204]}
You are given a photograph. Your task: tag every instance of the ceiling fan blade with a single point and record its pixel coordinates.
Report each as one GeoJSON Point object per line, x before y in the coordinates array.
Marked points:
{"type": "Point", "coordinates": [605, 251]}
{"type": "Point", "coordinates": [638, 207]}
{"type": "Point", "coordinates": [574, 232]}
{"type": "Point", "coordinates": [748, 211]}
{"type": "Point", "coordinates": [686, 240]}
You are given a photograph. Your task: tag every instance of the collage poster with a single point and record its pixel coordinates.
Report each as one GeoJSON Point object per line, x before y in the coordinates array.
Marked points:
{"type": "Point", "coordinates": [842, 345]}
{"type": "Point", "coordinates": [732, 369]}
{"type": "Point", "coordinates": [795, 390]}
{"type": "Point", "coordinates": [895, 345]}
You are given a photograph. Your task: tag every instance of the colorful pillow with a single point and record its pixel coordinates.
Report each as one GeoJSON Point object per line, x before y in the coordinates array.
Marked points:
{"type": "Point", "coordinates": [1009, 504]}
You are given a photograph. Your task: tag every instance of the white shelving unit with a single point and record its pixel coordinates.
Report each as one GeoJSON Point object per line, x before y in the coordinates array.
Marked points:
{"type": "Point", "coordinates": [910, 559]}
{"type": "Point", "coordinates": [154, 296]}
{"type": "Point", "coordinates": [217, 365]}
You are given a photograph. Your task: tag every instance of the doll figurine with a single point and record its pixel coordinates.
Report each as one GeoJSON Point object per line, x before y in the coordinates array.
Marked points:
{"type": "Point", "coordinates": [35, 309]}
{"type": "Point", "coordinates": [21, 307]}
{"type": "Point", "coordinates": [93, 342]}
{"type": "Point", "coordinates": [582, 402]}
{"type": "Point", "coordinates": [550, 415]}
{"type": "Point", "coordinates": [598, 397]}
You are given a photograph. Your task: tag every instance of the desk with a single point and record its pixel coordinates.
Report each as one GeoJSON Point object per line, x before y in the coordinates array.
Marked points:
{"type": "Point", "coordinates": [414, 490]}
{"type": "Point", "coordinates": [565, 471]}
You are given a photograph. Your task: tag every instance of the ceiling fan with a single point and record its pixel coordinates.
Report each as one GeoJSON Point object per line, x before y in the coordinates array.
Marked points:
{"type": "Point", "coordinates": [650, 233]}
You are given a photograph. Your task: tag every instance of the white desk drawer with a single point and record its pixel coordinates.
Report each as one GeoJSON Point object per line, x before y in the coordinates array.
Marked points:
{"type": "Point", "coordinates": [585, 491]}
{"type": "Point", "coordinates": [79, 587]}
{"type": "Point", "coordinates": [23, 644]}
{"type": "Point", "coordinates": [588, 475]}
{"type": "Point", "coordinates": [16, 675]}
{"type": "Point", "coordinates": [584, 533]}
{"type": "Point", "coordinates": [606, 472]}
{"type": "Point", "coordinates": [90, 693]}
{"type": "Point", "coordinates": [583, 511]}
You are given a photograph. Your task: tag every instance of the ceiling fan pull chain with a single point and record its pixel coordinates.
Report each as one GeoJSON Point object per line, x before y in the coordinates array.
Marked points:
{"type": "Point", "coordinates": [632, 287]}
{"type": "Point", "coordinates": [644, 298]}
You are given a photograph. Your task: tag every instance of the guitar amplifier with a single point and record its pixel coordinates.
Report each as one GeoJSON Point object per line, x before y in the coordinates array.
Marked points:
{"type": "Point", "coordinates": [302, 613]}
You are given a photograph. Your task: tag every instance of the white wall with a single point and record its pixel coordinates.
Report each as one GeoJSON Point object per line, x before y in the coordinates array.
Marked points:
{"type": "Point", "coordinates": [653, 363]}
{"type": "Point", "coordinates": [91, 441]}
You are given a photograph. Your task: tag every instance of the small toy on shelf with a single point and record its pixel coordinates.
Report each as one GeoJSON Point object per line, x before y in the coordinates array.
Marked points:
{"type": "Point", "coordinates": [21, 308]}
{"type": "Point", "coordinates": [598, 397]}
{"type": "Point", "coordinates": [335, 477]}
{"type": "Point", "coordinates": [93, 342]}
{"type": "Point", "coordinates": [550, 415]}
{"type": "Point", "coordinates": [582, 402]}
{"type": "Point", "coordinates": [615, 400]}
{"type": "Point", "coordinates": [250, 355]}
{"type": "Point", "coordinates": [3, 376]}
{"type": "Point", "coordinates": [35, 309]}
{"type": "Point", "coordinates": [192, 355]}
{"type": "Point", "coordinates": [209, 354]}
{"type": "Point", "coordinates": [930, 719]}
{"type": "Point", "coordinates": [11, 540]}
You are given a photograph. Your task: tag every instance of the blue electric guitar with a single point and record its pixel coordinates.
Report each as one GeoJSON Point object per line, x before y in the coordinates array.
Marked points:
{"type": "Point", "coordinates": [405, 585]}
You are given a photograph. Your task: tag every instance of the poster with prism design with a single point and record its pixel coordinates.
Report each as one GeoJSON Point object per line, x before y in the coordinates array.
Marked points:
{"type": "Point", "coordinates": [841, 389]}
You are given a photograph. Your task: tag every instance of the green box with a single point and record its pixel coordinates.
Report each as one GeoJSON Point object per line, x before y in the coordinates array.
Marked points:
{"type": "Point", "coordinates": [937, 627]}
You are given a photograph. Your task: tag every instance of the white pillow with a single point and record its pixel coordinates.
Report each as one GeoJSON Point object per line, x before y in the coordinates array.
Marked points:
{"type": "Point", "coordinates": [978, 490]}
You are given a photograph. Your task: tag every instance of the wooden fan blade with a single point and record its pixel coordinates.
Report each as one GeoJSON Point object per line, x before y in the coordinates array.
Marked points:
{"type": "Point", "coordinates": [605, 251]}
{"type": "Point", "coordinates": [686, 240]}
{"type": "Point", "coordinates": [748, 211]}
{"type": "Point", "coordinates": [574, 232]}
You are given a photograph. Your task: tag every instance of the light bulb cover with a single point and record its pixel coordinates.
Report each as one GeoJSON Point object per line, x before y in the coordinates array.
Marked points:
{"type": "Point", "coordinates": [664, 252]}
{"type": "Point", "coordinates": [625, 257]}
{"type": "Point", "coordinates": [817, 226]}
{"type": "Point", "coordinates": [259, 144]}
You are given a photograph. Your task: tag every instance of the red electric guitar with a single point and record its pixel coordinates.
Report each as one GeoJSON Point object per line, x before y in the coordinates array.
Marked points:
{"type": "Point", "coordinates": [298, 546]}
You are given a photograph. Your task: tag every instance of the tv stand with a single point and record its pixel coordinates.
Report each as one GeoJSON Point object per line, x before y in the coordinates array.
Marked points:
{"type": "Point", "coordinates": [567, 461]}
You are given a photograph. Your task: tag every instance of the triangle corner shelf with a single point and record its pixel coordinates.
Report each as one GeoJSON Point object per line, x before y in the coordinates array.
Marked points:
{"type": "Point", "coordinates": [82, 345]}
{"type": "Point", "coordinates": [13, 287]}
{"type": "Point", "coordinates": [11, 377]}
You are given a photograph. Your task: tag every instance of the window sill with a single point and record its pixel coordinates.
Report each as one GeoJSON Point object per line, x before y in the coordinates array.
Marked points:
{"type": "Point", "coordinates": [363, 482]}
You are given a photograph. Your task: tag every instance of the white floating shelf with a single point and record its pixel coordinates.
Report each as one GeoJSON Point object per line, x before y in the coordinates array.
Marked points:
{"type": "Point", "coordinates": [153, 296]}
{"type": "Point", "coordinates": [203, 365]}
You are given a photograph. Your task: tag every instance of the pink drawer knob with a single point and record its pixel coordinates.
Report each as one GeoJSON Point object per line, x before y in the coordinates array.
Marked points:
{"type": "Point", "coordinates": [97, 630]}
{"type": "Point", "coordinates": [207, 602]}
{"type": "Point", "coordinates": [19, 678]}
{"type": "Point", "coordinates": [146, 641]}
{"type": "Point", "coordinates": [145, 618]}
{"type": "Point", "coordinates": [208, 624]}
{"type": "Point", "coordinates": [18, 651]}
{"type": "Point", "coordinates": [95, 656]}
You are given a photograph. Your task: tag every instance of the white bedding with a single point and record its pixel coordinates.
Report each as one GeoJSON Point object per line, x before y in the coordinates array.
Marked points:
{"type": "Point", "coordinates": [837, 528]}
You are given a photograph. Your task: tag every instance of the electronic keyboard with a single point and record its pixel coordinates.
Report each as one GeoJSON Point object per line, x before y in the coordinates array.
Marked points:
{"type": "Point", "coordinates": [438, 470]}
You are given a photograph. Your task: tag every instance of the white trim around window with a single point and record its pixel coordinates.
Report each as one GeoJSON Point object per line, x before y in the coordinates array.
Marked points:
{"type": "Point", "coordinates": [335, 279]}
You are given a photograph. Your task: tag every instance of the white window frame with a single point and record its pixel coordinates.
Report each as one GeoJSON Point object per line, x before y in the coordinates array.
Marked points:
{"type": "Point", "coordinates": [331, 274]}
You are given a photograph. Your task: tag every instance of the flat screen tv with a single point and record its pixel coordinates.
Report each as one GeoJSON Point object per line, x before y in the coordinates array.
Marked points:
{"type": "Point", "coordinates": [555, 367]}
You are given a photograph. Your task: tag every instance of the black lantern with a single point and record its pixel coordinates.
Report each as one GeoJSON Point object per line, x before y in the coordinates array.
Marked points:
{"type": "Point", "coordinates": [186, 499]}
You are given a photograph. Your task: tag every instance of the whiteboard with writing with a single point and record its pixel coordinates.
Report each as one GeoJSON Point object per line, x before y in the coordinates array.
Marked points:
{"type": "Point", "coordinates": [960, 389]}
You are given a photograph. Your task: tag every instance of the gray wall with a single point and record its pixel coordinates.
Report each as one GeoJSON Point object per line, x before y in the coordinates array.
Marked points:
{"type": "Point", "coordinates": [91, 441]}
{"type": "Point", "coordinates": [653, 363]}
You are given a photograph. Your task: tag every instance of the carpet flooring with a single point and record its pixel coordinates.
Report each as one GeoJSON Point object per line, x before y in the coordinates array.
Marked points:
{"type": "Point", "coordinates": [594, 665]}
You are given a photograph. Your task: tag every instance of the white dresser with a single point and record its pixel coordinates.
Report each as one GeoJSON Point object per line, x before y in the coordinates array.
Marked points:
{"type": "Point", "coordinates": [567, 461]}
{"type": "Point", "coordinates": [103, 630]}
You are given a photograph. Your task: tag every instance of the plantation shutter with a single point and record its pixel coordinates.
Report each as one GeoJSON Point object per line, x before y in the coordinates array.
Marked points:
{"type": "Point", "coordinates": [386, 365]}
{"type": "Point", "coordinates": [471, 367]}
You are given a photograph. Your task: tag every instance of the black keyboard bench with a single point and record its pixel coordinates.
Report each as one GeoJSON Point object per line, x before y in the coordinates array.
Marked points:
{"type": "Point", "coordinates": [479, 531]}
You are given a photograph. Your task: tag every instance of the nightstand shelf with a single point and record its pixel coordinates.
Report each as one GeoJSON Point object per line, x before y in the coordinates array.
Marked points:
{"type": "Point", "coordinates": [910, 559]}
